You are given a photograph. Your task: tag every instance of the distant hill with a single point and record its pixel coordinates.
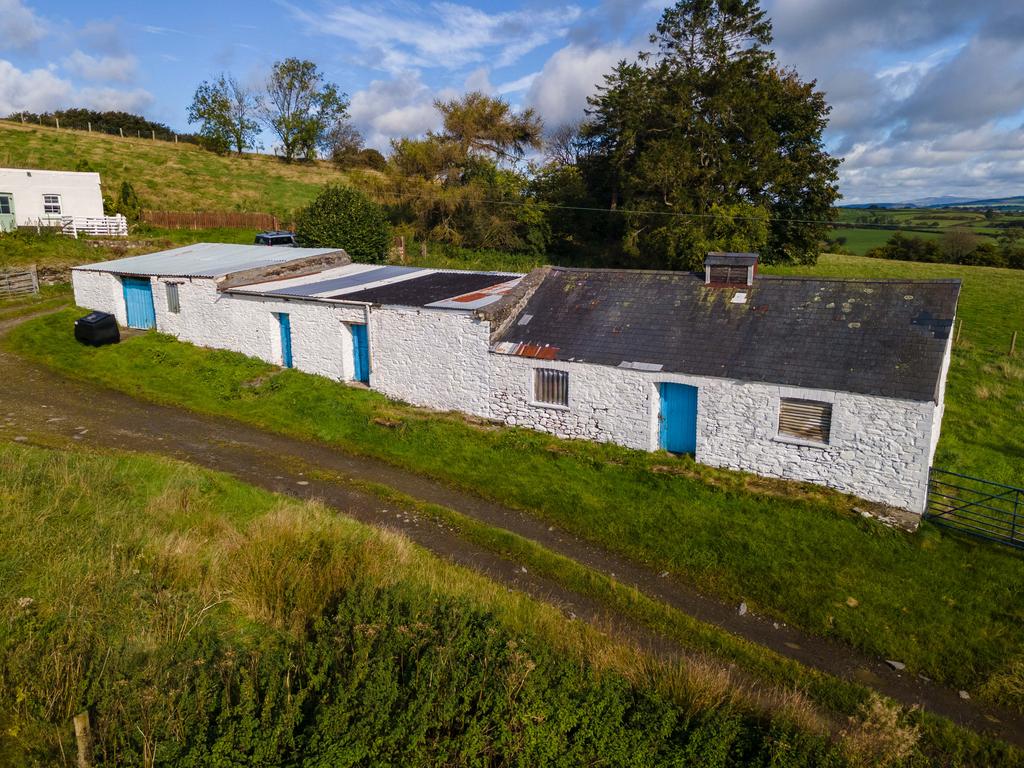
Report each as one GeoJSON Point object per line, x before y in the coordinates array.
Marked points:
{"type": "Point", "coordinates": [999, 203]}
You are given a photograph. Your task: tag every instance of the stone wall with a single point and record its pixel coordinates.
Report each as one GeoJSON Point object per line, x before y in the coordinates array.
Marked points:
{"type": "Point", "coordinates": [431, 357]}
{"type": "Point", "coordinates": [100, 291]}
{"type": "Point", "coordinates": [879, 448]}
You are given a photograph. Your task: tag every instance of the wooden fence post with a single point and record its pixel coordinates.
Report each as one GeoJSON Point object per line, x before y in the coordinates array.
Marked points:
{"type": "Point", "coordinates": [121, 131]}
{"type": "Point", "coordinates": [83, 737]}
{"type": "Point", "coordinates": [56, 120]}
{"type": "Point", "coordinates": [90, 127]}
{"type": "Point", "coordinates": [423, 250]}
{"type": "Point", "coordinates": [959, 327]}
{"type": "Point", "coordinates": [1013, 344]}
{"type": "Point", "coordinates": [153, 131]}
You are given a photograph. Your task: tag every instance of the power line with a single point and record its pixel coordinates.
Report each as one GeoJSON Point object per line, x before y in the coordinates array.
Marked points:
{"type": "Point", "coordinates": [637, 212]}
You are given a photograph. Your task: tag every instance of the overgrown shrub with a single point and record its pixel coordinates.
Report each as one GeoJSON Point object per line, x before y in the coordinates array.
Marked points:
{"type": "Point", "coordinates": [342, 217]}
{"type": "Point", "coordinates": [126, 203]}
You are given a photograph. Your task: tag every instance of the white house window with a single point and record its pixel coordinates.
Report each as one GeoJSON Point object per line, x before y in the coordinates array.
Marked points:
{"type": "Point", "coordinates": [805, 420]}
{"type": "Point", "coordinates": [51, 205]}
{"type": "Point", "coordinates": [551, 387]}
{"type": "Point", "coordinates": [173, 299]}
{"type": "Point", "coordinates": [5, 205]}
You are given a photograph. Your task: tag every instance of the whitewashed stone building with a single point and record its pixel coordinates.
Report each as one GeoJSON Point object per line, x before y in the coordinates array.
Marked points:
{"type": "Point", "coordinates": [835, 382]}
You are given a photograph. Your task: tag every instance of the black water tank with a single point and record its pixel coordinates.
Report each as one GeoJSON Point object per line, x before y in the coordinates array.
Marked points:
{"type": "Point", "coordinates": [97, 329]}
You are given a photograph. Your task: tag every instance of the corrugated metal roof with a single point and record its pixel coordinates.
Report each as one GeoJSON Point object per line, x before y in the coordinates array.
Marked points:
{"type": "Point", "coordinates": [389, 284]}
{"type": "Point", "coordinates": [205, 260]}
{"type": "Point", "coordinates": [328, 284]}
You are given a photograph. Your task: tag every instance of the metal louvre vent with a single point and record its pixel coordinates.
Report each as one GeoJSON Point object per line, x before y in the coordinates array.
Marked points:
{"type": "Point", "coordinates": [551, 386]}
{"type": "Point", "coordinates": [805, 419]}
{"type": "Point", "coordinates": [728, 274]}
{"type": "Point", "coordinates": [173, 300]}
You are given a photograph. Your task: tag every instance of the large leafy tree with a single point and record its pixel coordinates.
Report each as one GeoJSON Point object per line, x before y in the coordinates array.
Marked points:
{"type": "Point", "coordinates": [463, 185]}
{"type": "Point", "coordinates": [301, 107]}
{"type": "Point", "coordinates": [226, 112]}
{"type": "Point", "coordinates": [707, 143]}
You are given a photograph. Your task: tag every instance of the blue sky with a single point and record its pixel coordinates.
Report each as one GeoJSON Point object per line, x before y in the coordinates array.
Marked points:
{"type": "Point", "coordinates": [927, 95]}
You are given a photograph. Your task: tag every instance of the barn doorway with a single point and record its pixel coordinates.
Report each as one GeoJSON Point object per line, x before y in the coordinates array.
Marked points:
{"type": "Point", "coordinates": [138, 302]}
{"type": "Point", "coordinates": [360, 353]}
{"type": "Point", "coordinates": [677, 418]}
{"type": "Point", "coordinates": [285, 323]}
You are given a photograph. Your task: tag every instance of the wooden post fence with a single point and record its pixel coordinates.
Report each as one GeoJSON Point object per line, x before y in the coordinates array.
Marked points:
{"type": "Point", "coordinates": [1013, 344]}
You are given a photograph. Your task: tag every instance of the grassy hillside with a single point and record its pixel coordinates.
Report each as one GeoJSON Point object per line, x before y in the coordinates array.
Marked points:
{"type": "Point", "coordinates": [170, 176]}
{"type": "Point", "coordinates": [201, 621]}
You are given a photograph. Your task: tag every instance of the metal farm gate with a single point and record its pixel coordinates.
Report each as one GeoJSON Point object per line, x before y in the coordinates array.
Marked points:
{"type": "Point", "coordinates": [977, 507]}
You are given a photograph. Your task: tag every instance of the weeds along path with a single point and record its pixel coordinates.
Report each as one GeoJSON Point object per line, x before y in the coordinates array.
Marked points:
{"type": "Point", "coordinates": [38, 403]}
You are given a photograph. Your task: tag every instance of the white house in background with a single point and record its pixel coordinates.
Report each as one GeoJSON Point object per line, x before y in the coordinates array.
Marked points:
{"type": "Point", "coordinates": [835, 382]}
{"type": "Point", "coordinates": [33, 197]}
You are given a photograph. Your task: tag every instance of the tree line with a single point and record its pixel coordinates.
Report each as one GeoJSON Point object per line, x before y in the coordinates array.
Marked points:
{"type": "Point", "coordinates": [104, 122]}
{"type": "Point", "coordinates": [703, 143]}
{"type": "Point", "coordinates": [957, 246]}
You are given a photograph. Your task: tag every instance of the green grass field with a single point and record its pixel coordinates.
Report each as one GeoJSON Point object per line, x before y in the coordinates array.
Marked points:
{"type": "Point", "coordinates": [704, 524]}
{"type": "Point", "coordinates": [860, 241]}
{"type": "Point", "coordinates": [201, 621]}
{"type": "Point", "coordinates": [167, 176]}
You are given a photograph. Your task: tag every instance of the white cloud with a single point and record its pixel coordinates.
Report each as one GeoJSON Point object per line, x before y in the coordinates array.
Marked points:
{"type": "Point", "coordinates": [515, 86]}
{"type": "Point", "coordinates": [105, 68]}
{"type": "Point", "coordinates": [389, 109]}
{"type": "Point", "coordinates": [20, 28]}
{"type": "Point", "coordinates": [397, 36]}
{"type": "Point", "coordinates": [37, 90]}
{"type": "Point", "coordinates": [40, 90]}
{"type": "Point", "coordinates": [559, 92]}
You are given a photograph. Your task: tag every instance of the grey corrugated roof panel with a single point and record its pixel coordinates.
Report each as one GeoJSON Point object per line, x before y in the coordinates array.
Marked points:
{"type": "Point", "coordinates": [205, 260]}
{"type": "Point", "coordinates": [875, 337]}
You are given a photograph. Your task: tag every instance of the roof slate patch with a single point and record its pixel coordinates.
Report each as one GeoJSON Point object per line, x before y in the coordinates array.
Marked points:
{"type": "Point", "coordinates": [875, 337]}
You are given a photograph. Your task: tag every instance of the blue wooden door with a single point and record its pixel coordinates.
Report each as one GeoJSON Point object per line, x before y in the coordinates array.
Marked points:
{"type": "Point", "coordinates": [361, 353]}
{"type": "Point", "coordinates": [286, 339]}
{"type": "Point", "coordinates": [678, 418]}
{"type": "Point", "coordinates": [138, 301]}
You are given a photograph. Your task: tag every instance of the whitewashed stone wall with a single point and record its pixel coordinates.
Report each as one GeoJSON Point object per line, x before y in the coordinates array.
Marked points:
{"type": "Point", "coordinates": [321, 339]}
{"type": "Point", "coordinates": [431, 357]}
{"type": "Point", "coordinates": [100, 291]}
{"type": "Point", "coordinates": [879, 449]}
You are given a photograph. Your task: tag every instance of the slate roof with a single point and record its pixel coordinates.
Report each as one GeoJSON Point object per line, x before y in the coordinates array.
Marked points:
{"type": "Point", "coordinates": [874, 337]}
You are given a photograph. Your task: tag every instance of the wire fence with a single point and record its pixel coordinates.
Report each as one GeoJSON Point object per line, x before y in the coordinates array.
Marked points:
{"type": "Point", "coordinates": [151, 134]}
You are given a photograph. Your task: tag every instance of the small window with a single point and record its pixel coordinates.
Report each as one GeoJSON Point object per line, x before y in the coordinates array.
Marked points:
{"type": "Point", "coordinates": [51, 205]}
{"type": "Point", "coordinates": [551, 386]}
{"type": "Point", "coordinates": [805, 420]}
{"type": "Point", "coordinates": [5, 204]}
{"type": "Point", "coordinates": [173, 299]}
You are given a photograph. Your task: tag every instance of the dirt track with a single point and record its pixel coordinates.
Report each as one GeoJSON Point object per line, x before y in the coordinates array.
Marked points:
{"type": "Point", "coordinates": [34, 400]}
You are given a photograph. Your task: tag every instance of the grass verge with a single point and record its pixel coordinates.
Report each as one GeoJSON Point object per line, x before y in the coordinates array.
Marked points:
{"type": "Point", "coordinates": [200, 620]}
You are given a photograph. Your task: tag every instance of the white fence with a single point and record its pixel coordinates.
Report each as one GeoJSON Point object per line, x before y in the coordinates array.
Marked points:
{"type": "Point", "coordinates": [108, 226]}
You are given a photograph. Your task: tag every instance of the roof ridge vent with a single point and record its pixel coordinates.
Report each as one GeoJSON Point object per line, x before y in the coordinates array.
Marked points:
{"type": "Point", "coordinates": [729, 269]}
